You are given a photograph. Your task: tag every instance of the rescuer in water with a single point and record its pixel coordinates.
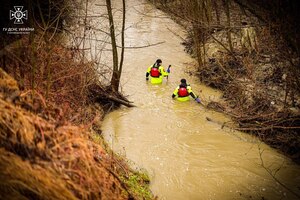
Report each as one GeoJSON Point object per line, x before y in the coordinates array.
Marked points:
{"type": "Point", "coordinates": [157, 72]}
{"type": "Point", "coordinates": [183, 91]}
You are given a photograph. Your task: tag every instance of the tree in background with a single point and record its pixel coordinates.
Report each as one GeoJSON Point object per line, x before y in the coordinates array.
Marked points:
{"type": "Point", "coordinates": [117, 67]}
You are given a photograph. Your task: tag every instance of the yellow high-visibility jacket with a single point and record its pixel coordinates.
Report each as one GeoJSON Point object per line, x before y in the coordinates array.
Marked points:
{"type": "Point", "coordinates": [190, 91]}
{"type": "Point", "coordinates": [157, 80]}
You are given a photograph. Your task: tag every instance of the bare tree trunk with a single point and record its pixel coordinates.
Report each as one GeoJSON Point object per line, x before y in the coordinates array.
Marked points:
{"type": "Point", "coordinates": [117, 68]}
{"type": "Point", "coordinates": [227, 10]}
{"type": "Point", "coordinates": [84, 30]}
{"type": "Point", "coordinates": [32, 58]}
{"type": "Point", "coordinates": [198, 13]}
{"type": "Point", "coordinates": [197, 42]}
{"type": "Point", "coordinates": [207, 6]}
{"type": "Point", "coordinates": [122, 40]}
{"type": "Point", "coordinates": [114, 80]}
{"type": "Point", "coordinates": [48, 69]}
{"type": "Point", "coordinates": [217, 11]}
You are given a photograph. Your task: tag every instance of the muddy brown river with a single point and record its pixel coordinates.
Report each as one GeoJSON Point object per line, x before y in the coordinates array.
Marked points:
{"type": "Point", "coordinates": [186, 156]}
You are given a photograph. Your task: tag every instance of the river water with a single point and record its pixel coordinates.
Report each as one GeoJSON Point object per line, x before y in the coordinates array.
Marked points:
{"type": "Point", "coordinates": [186, 156]}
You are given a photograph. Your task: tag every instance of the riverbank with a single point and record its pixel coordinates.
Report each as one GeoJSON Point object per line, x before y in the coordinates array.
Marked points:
{"type": "Point", "coordinates": [52, 104]}
{"type": "Point", "coordinates": [251, 63]}
{"type": "Point", "coordinates": [51, 143]}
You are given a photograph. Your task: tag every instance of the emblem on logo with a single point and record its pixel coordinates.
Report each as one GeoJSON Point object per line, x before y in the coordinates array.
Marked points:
{"type": "Point", "coordinates": [18, 14]}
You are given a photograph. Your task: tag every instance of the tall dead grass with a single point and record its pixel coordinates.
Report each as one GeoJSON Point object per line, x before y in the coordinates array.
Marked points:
{"type": "Point", "coordinates": [46, 128]}
{"type": "Point", "coordinates": [44, 161]}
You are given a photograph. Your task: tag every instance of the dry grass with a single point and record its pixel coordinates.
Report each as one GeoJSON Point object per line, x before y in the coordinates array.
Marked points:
{"type": "Point", "coordinates": [41, 160]}
{"type": "Point", "coordinates": [47, 149]}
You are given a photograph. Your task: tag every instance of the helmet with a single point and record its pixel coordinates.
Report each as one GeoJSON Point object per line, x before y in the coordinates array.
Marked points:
{"type": "Point", "coordinates": [158, 61]}
{"type": "Point", "coordinates": [183, 80]}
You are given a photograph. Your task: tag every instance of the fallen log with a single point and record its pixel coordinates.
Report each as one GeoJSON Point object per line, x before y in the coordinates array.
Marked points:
{"type": "Point", "coordinates": [98, 93]}
{"type": "Point", "coordinates": [120, 101]}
